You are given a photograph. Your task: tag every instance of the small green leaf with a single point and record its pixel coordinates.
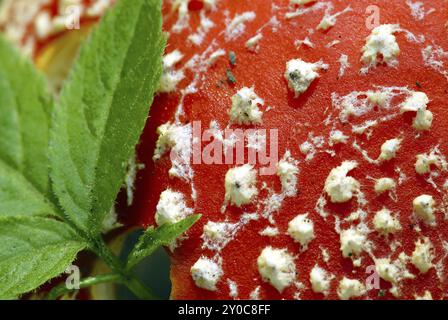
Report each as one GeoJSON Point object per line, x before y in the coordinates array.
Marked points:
{"type": "Point", "coordinates": [103, 109]}
{"type": "Point", "coordinates": [153, 239]}
{"type": "Point", "coordinates": [32, 251]}
{"type": "Point", "coordinates": [25, 110]}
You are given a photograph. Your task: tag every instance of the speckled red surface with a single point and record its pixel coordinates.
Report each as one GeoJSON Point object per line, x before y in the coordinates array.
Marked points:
{"type": "Point", "coordinates": [264, 70]}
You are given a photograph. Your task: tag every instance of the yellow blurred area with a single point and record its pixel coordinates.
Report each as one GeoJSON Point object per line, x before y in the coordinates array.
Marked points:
{"type": "Point", "coordinates": [56, 59]}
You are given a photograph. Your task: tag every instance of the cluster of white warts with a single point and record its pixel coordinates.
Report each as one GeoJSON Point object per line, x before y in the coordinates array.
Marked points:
{"type": "Point", "coordinates": [277, 266]}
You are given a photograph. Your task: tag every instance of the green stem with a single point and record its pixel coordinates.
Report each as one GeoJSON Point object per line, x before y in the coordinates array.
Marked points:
{"type": "Point", "coordinates": [141, 291]}
{"type": "Point", "coordinates": [127, 277]}
{"type": "Point", "coordinates": [62, 289]}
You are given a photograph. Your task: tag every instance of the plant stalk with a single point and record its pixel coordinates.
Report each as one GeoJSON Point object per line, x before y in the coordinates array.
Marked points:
{"type": "Point", "coordinates": [127, 276]}
{"type": "Point", "coordinates": [62, 289]}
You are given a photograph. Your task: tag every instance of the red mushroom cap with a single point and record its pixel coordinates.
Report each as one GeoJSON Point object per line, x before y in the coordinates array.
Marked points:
{"type": "Point", "coordinates": [291, 32]}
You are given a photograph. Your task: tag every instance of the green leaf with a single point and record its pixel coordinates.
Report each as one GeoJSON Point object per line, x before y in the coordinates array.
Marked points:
{"type": "Point", "coordinates": [153, 239]}
{"type": "Point", "coordinates": [32, 251]}
{"type": "Point", "coordinates": [103, 108]}
{"type": "Point", "coordinates": [25, 110]}
{"type": "Point", "coordinates": [19, 197]}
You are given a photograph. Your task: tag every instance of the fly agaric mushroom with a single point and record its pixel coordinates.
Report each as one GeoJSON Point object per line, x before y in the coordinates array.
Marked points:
{"type": "Point", "coordinates": [346, 99]}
